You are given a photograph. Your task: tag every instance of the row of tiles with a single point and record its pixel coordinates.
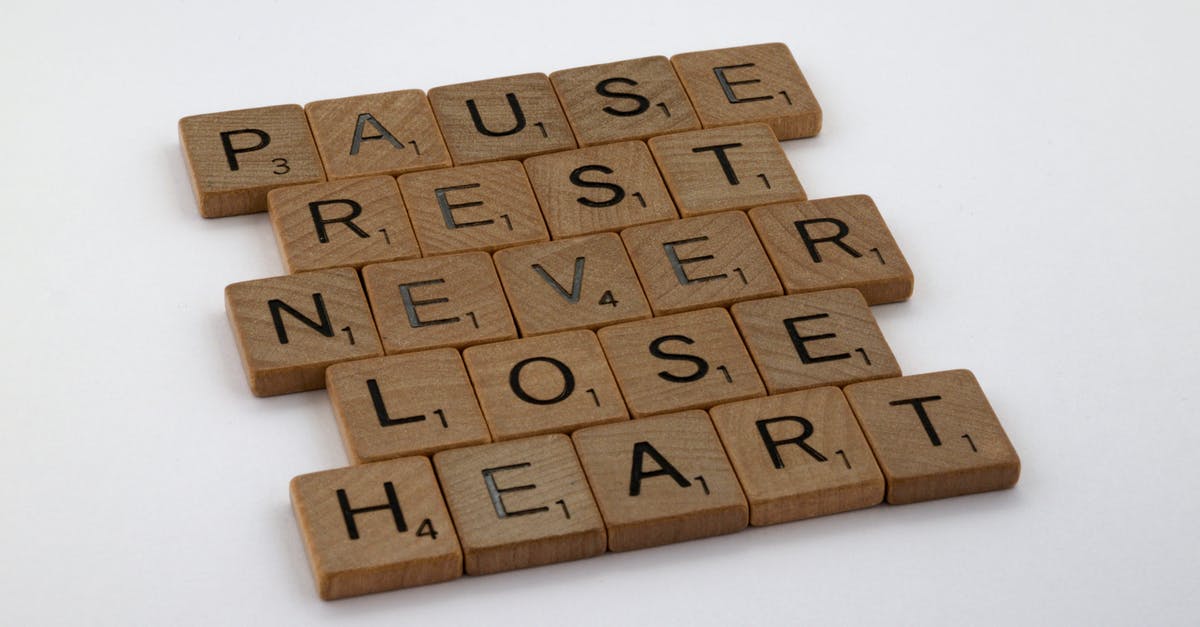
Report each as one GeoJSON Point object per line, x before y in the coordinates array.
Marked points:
{"type": "Point", "coordinates": [647, 482]}
{"type": "Point", "coordinates": [236, 157]}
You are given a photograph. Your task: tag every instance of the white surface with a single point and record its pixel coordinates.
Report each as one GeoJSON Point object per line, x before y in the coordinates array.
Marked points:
{"type": "Point", "coordinates": [1037, 165]}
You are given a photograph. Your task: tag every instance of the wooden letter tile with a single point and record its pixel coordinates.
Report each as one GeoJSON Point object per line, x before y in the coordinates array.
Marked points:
{"type": "Point", "coordinates": [390, 133]}
{"type": "Point", "coordinates": [736, 167]}
{"type": "Point", "coordinates": [449, 301]}
{"type": "Point", "coordinates": [412, 404]}
{"type": "Point", "coordinates": [520, 503]}
{"type": "Point", "coordinates": [580, 283]}
{"type": "Point", "coordinates": [603, 188]}
{"type": "Point", "coordinates": [799, 455]}
{"type": "Point", "coordinates": [290, 328]}
{"type": "Point", "coordinates": [634, 99]}
{"type": "Point", "coordinates": [479, 207]}
{"type": "Point", "coordinates": [501, 118]}
{"type": "Point", "coordinates": [661, 480]}
{"type": "Point", "coordinates": [692, 360]}
{"type": "Point", "coordinates": [759, 83]}
{"type": "Point", "coordinates": [376, 527]}
{"type": "Point", "coordinates": [236, 157]}
{"type": "Point", "coordinates": [935, 435]}
{"type": "Point", "coordinates": [341, 223]}
{"type": "Point", "coordinates": [548, 384]}
{"type": "Point", "coordinates": [810, 340]}
{"type": "Point", "coordinates": [831, 243]}
{"type": "Point", "coordinates": [700, 262]}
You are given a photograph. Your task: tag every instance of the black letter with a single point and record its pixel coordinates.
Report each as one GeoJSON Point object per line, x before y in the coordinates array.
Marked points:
{"type": "Point", "coordinates": [727, 85]}
{"type": "Point", "coordinates": [381, 411]}
{"type": "Point", "coordinates": [447, 207]}
{"type": "Point", "coordinates": [410, 305]}
{"type": "Point", "coordinates": [723, 159]}
{"type": "Point", "coordinates": [773, 444]}
{"type": "Point", "coordinates": [325, 327]}
{"type": "Point", "coordinates": [657, 351]}
{"type": "Point", "coordinates": [677, 263]}
{"type": "Point", "coordinates": [518, 114]}
{"type": "Point", "coordinates": [576, 283]}
{"type": "Point", "coordinates": [799, 340]}
{"type": "Point", "coordinates": [811, 243]}
{"type": "Point", "coordinates": [918, 405]}
{"type": "Point", "coordinates": [642, 103]}
{"type": "Point", "coordinates": [359, 138]}
{"type": "Point", "coordinates": [640, 450]}
{"type": "Point", "coordinates": [231, 153]}
{"type": "Point", "coordinates": [496, 493]}
{"type": "Point", "coordinates": [320, 222]}
{"type": "Point", "coordinates": [514, 381]}
{"type": "Point", "coordinates": [618, 193]}
{"type": "Point", "coordinates": [392, 504]}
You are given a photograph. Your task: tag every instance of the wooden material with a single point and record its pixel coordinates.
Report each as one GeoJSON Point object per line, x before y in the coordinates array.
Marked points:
{"type": "Point", "coordinates": [799, 455]}
{"type": "Point", "coordinates": [935, 435]}
{"type": "Point", "coordinates": [520, 503]}
{"type": "Point", "coordinates": [548, 384]}
{"type": "Point", "coordinates": [700, 262]}
{"type": "Point", "coordinates": [376, 527]}
{"type": "Point", "coordinates": [480, 207]}
{"type": "Point", "coordinates": [290, 328]}
{"type": "Point", "coordinates": [726, 168]}
{"type": "Point", "coordinates": [341, 223]}
{"type": "Point", "coordinates": [412, 404]}
{"type": "Point", "coordinates": [603, 188]}
{"type": "Point", "coordinates": [692, 360]}
{"type": "Point", "coordinates": [832, 243]}
{"type": "Point", "coordinates": [633, 99]}
{"type": "Point", "coordinates": [449, 301]}
{"type": "Point", "coordinates": [501, 118]}
{"type": "Point", "coordinates": [661, 480]}
{"type": "Point", "coordinates": [390, 133]}
{"type": "Point", "coordinates": [236, 157]}
{"type": "Point", "coordinates": [760, 83]}
{"type": "Point", "coordinates": [804, 341]}
{"type": "Point", "coordinates": [581, 283]}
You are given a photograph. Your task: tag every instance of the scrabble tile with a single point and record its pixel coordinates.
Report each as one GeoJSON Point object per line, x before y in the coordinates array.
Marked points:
{"type": "Point", "coordinates": [341, 223]}
{"type": "Point", "coordinates": [700, 262]}
{"type": "Point", "coordinates": [390, 133]}
{"type": "Point", "coordinates": [799, 455]}
{"type": "Point", "coordinates": [520, 503]}
{"type": "Point", "coordinates": [450, 301]}
{"type": "Point", "coordinates": [831, 243]}
{"type": "Point", "coordinates": [376, 527]}
{"type": "Point", "coordinates": [236, 157]}
{"type": "Point", "coordinates": [411, 404]}
{"type": "Point", "coordinates": [759, 83]}
{"type": "Point", "coordinates": [602, 188]}
{"type": "Point", "coordinates": [580, 283]}
{"type": "Point", "coordinates": [290, 328]}
{"type": "Point", "coordinates": [935, 435]}
{"type": "Point", "coordinates": [633, 99]}
{"type": "Point", "coordinates": [811, 340]}
{"type": "Point", "coordinates": [692, 360]}
{"type": "Point", "coordinates": [501, 118]}
{"type": "Point", "coordinates": [735, 167]}
{"type": "Point", "coordinates": [661, 480]}
{"type": "Point", "coordinates": [478, 207]}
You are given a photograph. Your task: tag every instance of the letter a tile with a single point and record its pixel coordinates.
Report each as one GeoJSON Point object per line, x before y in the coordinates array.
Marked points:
{"type": "Point", "coordinates": [390, 133]}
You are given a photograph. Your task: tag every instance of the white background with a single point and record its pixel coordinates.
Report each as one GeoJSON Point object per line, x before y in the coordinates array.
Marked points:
{"type": "Point", "coordinates": [1038, 166]}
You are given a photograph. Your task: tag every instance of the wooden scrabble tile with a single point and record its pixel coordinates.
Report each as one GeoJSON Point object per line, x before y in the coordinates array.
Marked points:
{"type": "Point", "coordinates": [341, 223]}
{"type": "Point", "coordinates": [700, 262]}
{"type": "Point", "coordinates": [935, 435]}
{"type": "Point", "coordinates": [831, 243]}
{"type": "Point", "coordinates": [448, 301]}
{"type": "Point", "coordinates": [290, 328]}
{"type": "Point", "coordinates": [236, 157]}
{"type": "Point", "coordinates": [547, 384]}
{"type": "Point", "coordinates": [580, 283]}
{"type": "Point", "coordinates": [799, 455]}
{"type": "Point", "coordinates": [634, 99]}
{"type": "Point", "coordinates": [411, 404]}
{"type": "Point", "coordinates": [810, 340]}
{"type": "Point", "coordinates": [376, 527]}
{"type": "Point", "coordinates": [478, 207]}
{"type": "Point", "coordinates": [735, 167]}
{"type": "Point", "coordinates": [501, 118]}
{"type": "Point", "coordinates": [390, 133]}
{"type": "Point", "coordinates": [602, 188]}
{"type": "Point", "coordinates": [520, 503]}
{"type": "Point", "coordinates": [690, 360]}
{"type": "Point", "coordinates": [759, 83]}
{"type": "Point", "coordinates": [661, 480]}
